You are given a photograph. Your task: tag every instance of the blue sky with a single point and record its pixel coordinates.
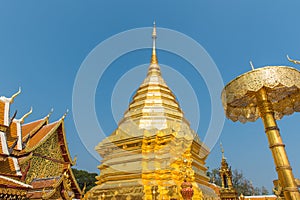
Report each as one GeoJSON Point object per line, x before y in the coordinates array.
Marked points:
{"type": "Point", "coordinates": [44, 43]}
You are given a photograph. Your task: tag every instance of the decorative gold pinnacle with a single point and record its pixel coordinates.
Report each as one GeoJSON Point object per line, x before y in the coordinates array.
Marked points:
{"type": "Point", "coordinates": [154, 58]}
{"type": "Point", "coordinates": [14, 95]}
{"type": "Point", "coordinates": [50, 113]}
{"type": "Point", "coordinates": [222, 150]}
{"type": "Point", "coordinates": [26, 115]}
{"type": "Point", "coordinates": [64, 116]}
{"type": "Point", "coordinates": [154, 68]}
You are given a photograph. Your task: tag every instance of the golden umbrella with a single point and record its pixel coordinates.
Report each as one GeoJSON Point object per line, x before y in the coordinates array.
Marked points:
{"type": "Point", "coordinates": [270, 93]}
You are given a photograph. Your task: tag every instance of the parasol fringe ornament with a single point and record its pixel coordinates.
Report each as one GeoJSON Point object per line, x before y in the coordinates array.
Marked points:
{"type": "Point", "coordinates": [269, 93]}
{"type": "Point", "coordinates": [282, 85]}
{"type": "Point", "coordinates": [292, 60]}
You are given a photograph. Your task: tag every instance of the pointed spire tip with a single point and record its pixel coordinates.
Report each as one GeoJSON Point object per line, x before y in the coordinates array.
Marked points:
{"type": "Point", "coordinates": [50, 113]}
{"type": "Point", "coordinates": [64, 116]}
{"type": "Point", "coordinates": [154, 58]}
{"type": "Point", "coordinates": [222, 150]}
{"type": "Point", "coordinates": [251, 64]}
{"type": "Point", "coordinates": [154, 30]}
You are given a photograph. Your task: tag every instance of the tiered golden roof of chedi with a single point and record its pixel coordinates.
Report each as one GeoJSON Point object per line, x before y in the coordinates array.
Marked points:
{"type": "Point", "coordinates": [34, 159]}
{"type": "Point", "coordinates": [153, 150]}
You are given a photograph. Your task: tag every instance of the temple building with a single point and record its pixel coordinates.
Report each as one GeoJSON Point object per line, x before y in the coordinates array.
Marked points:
{"type": "Point", "coordinates": [34, 159]}
{"type": "Point", "coordinates": [154, 150]}
{"type": "Point", "coordinates": [227, 191]}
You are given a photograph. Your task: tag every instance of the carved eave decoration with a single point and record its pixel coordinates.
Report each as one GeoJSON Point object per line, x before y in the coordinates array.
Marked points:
{"type": "Point", "coordinates": [64, 185]}
{"type": "Point", "coordinates": [3, 157]}
{"type": "Point", "coordinates": [64, 145]}
{"type": "Point", "coordinates": [283, 87]}
{"type": "Point", "coordinates": [73, 183]}
{"type": "Point", "coordinates": [10, 188]}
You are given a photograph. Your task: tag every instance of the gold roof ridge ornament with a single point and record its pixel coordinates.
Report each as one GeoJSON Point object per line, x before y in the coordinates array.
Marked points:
{"type": "Point", "coordinates": [50, 113]}
{"type": "Point", "coordinates": [64, 116]}
{"type": "Point", "coordinates": [269, 93]}
{"type": "Point", "coordinates": [292, 60]}
{"type": "Point", "coordinates": [11, 99]}
{"type": "Point", "coordinates": [25, 116]}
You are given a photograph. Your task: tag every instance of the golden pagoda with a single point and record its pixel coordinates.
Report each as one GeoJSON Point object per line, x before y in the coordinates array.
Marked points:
{"type": "Point", "coordinates": [34, 159]}
{"type": "Point", "coordinates": [153, 150]}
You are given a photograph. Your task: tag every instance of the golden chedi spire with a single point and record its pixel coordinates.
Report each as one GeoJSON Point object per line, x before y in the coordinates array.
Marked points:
{"type": "Point", "coordinates": [154, 58]}
{"type": "Point", "coordinates": [154, 105]}
{"type": "Point", "coordinates": [222, 150]}
{"type": "Point", "coordinates": [154, 67]}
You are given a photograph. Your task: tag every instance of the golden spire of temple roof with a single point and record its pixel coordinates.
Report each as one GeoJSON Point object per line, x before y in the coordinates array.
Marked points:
{"type": "Point", "coordinates": [154, 105]}
{"type": "Point", "coordinates": [154, 67]}
{"type": "Point", "coordinates": [222, 149]}
{"type": "Point", "coordinates": [64, 116]}
{"type": "Point", "coordinates": [154, 58]}
{"type": "Point", "coordinates": [50, 113]}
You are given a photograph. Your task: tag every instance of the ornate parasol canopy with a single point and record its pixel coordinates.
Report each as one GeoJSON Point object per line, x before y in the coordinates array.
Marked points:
{"type": "Point", "coordinates": [282, 85]}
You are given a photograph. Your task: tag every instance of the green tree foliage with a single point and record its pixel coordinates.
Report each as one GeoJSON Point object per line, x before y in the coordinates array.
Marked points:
{"type": "Point", "coordinates": [264, 190]}
{"type": "Point", "coordinates": [84, 177]}
{"type": "Point", "coordinates": [239, 182]}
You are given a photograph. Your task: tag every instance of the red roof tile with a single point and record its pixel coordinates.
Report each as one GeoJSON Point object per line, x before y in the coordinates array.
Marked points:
{"type": "Point", "coordinates": [43, 187]}
{"type": "Point", "coordinates": [44, 183]}
{"type": "Point", "coordinates": [41, 135]}
{"type": "Point", "coordinates": [32, 127]}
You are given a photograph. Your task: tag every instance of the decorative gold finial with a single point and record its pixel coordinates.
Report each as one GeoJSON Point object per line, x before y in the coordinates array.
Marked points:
{"type": "Point", "coordinates": [64, 116]}
{"type": "Point", "coordinates": [251, 64]}
{"type": "Point", "coordinates": [26, 115]}
{"type": "Point", "coordinates": [83, 189]}
{"type": "Point", "coordinates": [293, 61]}
{"type": "Point", "coordinates": [74, 161]}
{"type": "Point", "coordinates": [50, 113]}
{"type": "Point", "coordinates": [222, 149]}
{"type": "Point", "coordinates": [154, 58]}
{"type": "Point", "coordinates": [14, 95]}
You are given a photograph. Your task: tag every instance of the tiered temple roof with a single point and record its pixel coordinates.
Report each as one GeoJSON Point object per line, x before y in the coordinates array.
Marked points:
{"type": "Point", "coordinates": [35, 162]}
